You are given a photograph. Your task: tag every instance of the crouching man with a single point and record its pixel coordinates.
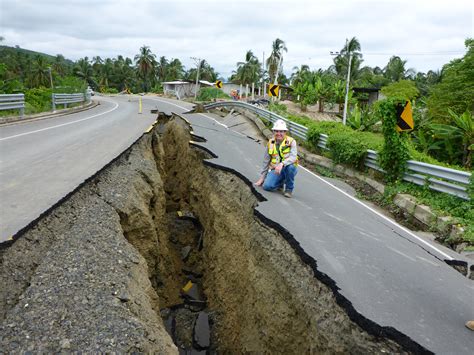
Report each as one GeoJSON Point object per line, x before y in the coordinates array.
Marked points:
{"type": "Point", "coordinates": [280, 161]}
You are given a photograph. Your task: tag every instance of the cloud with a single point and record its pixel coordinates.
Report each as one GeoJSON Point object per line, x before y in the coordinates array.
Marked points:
{"type": "Point", "coordinates": [427, 34]}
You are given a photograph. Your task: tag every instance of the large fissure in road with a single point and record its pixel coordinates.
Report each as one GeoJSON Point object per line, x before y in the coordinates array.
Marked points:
{"type": "Point", "coordinates": [161, 250]}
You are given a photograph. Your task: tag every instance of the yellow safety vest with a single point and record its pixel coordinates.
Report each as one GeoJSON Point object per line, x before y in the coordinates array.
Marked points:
{"type": "Point", "coordinates": [283, 153]}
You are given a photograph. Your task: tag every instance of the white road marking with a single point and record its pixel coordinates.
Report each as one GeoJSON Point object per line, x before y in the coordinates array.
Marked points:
{"type": "Point", "coordinates": [60, 125]}
{"type": "Point", "coordinates": [427, 261]}
{"type": "Point", "coordinates": [381, 215]}
{"type": "Point", "coordinates": [402, 254]}
{"type": "Point", "coordinates": [351, 197]}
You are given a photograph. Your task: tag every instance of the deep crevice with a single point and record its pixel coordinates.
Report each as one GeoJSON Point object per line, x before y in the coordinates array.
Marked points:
{"type": "Point", "coordinates": [195, 221]}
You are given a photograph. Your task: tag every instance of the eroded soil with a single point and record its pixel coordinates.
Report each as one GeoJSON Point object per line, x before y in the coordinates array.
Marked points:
{"type": "Point", "coordinates": [161, 245]}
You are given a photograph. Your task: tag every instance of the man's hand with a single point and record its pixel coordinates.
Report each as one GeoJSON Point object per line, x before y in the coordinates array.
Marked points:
{"type": "Point", "coordinates": [260, 181]}
{"type": "Point", "coordinates": [278, 168]}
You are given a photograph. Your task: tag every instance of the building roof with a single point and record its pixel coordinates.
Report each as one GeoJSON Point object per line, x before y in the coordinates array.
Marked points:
{"type": "Point", "coordinates": [369, 90]}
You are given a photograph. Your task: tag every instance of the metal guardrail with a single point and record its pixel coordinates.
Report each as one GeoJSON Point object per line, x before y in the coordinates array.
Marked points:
{"type": "Point", "coordinates": [65, 99]}
{"type": "Point", "coordinates": [13, 102]}
{"type": "Point", "coordinates": [438, 178]}
{"type": "Point", "coordinates": [295, 129]}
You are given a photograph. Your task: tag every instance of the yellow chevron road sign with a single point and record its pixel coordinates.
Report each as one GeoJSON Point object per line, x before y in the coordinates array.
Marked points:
{"type": "Point", "coordinates": [273, 89]}
{"type": "Point", "coordinates": [405, 117]}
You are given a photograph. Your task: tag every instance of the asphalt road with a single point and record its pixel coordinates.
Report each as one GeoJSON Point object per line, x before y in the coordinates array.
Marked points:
{"type": "Point", "coordinates": [390, 275]}
{"type": "Point", "coordinates": [42, 161]}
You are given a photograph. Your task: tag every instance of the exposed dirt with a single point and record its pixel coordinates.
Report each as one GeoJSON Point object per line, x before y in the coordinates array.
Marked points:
{"type": "Point", "coordinates": [108, 270]}
{"type": "Point", "coordinates": [312, 111]}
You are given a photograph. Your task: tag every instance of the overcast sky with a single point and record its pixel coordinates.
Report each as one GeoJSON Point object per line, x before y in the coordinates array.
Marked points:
{"type": "Point", "coordinates": [427, 34]}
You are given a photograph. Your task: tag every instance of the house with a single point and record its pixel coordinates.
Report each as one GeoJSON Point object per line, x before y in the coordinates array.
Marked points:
{"type": "Point", "coordinates": [367, 96]}
{"type": "Point", "coordinates": [182, 89]}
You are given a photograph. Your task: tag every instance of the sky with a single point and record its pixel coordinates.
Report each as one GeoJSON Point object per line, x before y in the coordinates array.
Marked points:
{"type": "Point", "coordinates": [427, 34]}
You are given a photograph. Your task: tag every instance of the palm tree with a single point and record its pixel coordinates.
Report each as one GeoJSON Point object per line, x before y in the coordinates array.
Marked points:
{"type": "Point", "coordinates": [300, 75]}
{"type": "Point", "coordinates": [175, 70]}
{"type": "Point", "coordinates": [83, 69]}
{"type": "Point", "coordinates": [59, 65]}
{"type": "Point", "coordinates": [395, 69]}
{"type": "Point", "coordinates": [146, 64]}
{"type": "Point", "coordinates": [162, 68]}
{"type": "Point", "coordinates": [248, 72]}
{"type": "Point", "coordinates": [39, 72]}
{"type": "Point", "coordinates": [341, 61]}
{"type": "Point", "coordinates": [106, 73]}
{"type": "Point", "coordinates": [124, 75]}
{"type": "Point", "coordinates": [275, 61]}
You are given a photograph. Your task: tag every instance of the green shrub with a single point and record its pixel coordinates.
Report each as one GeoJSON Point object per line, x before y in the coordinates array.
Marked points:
{"type": "Point", "coordinates": [38, 100]}
{"type": "Point", "coordinates": [109, 90]}
{"type": "Point", "coordinates": [347, 148]}
{"type": "Point", "coordinates": [208, 94]}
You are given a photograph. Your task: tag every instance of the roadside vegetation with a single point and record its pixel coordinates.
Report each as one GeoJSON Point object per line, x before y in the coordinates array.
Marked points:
{"type": "Point", "coordinates": [442, 100]}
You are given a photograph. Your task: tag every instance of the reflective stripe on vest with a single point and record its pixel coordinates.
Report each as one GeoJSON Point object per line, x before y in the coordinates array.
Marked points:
{"type": "Point", "coordinates": [278, 156]}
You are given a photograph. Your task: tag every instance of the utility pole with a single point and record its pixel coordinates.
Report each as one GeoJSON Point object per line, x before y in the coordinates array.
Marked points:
{"type": "Point", "coordinates": [198, 64]}
{"type": "Point", "coordinates": [346, 99]}
{"type": "Point", "coordinates": [344, 117]}
{"type": "Point", "coordinates": [263, 76]}
{"type": "Point", "coordinates": [50, 78]}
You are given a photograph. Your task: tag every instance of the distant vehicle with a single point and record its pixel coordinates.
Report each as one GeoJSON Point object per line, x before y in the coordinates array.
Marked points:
{"type": "Point", "coordinates": [90, 91]}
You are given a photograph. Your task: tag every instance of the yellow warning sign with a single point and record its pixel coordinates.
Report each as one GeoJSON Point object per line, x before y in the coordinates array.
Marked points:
{"type": "Point", "coordinates": [188, 286]}
{"type": "Point", "coordinates": [273, 89]}
{"type": "Point", "coordinates": [405, 117]}
{"type": "Point", "coordinates": [218, 84]}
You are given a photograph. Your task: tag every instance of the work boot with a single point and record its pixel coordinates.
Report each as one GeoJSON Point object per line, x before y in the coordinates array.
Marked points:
{"type": "Point", "coordinates": [287, 194]}
{"type": "Point", "coordinates": [470, 325]}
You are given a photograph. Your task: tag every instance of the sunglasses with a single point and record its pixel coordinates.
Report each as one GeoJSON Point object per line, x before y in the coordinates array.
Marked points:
{"type": "Point", "coordinates": [279, 131]}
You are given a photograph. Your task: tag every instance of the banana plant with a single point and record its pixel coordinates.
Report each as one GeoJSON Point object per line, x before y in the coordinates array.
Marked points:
{"type": "Point", "coordinates": [461, 130]}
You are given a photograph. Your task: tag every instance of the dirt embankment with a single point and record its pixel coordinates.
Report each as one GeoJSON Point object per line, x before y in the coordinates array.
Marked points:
{"type": "Point", "coordinates": [109, 269]}
{"type": "Point", "coordinates": [312, 111]}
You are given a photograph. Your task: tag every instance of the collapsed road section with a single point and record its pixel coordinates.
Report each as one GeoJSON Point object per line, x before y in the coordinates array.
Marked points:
{"type": "Point", "coordinates": [161, 251]}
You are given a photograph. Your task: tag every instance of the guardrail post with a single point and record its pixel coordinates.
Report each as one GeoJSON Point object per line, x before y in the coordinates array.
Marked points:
{"type": "Point", "coordinates": [54, 102]}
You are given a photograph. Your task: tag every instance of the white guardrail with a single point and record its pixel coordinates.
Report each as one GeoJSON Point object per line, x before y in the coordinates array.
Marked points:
{"type": "Point", "coordinates": [13, 102]}
{"type": "Point", "coordinates": [64, 99]}
{"type": "Point", "coordinates": [17, 101]}
{"type": "Point", "coordinates": [438, 178]}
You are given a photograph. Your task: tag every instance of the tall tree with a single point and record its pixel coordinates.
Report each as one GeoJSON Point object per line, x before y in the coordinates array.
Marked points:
{"type": "Point", "coordinates": [106, 73]}
{"type": "Point", "coordinates": [341, 61]}
{"type": "Point", "coordinates": [146, 64]}
{"type": "Point", "coordinates": [83, 69]}
{"type": "Point", "coordinates": [175, 70]}
{"type": "Point", "coordinates": [162, 68]}
{"type": "Point", "coordinates": [250, 71]}
{"type": "Point", "coordinates": [59, 65]}
{"type": "Point", "coordinates": [275, 61]}
{"type": "Point", "coordinates": [395, 69]}
{"type": "Point", "coordinates": [300, 75]}
{"type": "Point", "coordinates": [40, 72]}
{"type": "Point", "coordinates": [456, 88]}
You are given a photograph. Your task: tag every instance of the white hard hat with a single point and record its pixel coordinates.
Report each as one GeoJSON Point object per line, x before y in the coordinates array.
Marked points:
{"type": "Point", "coordinates": [279, 125]}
